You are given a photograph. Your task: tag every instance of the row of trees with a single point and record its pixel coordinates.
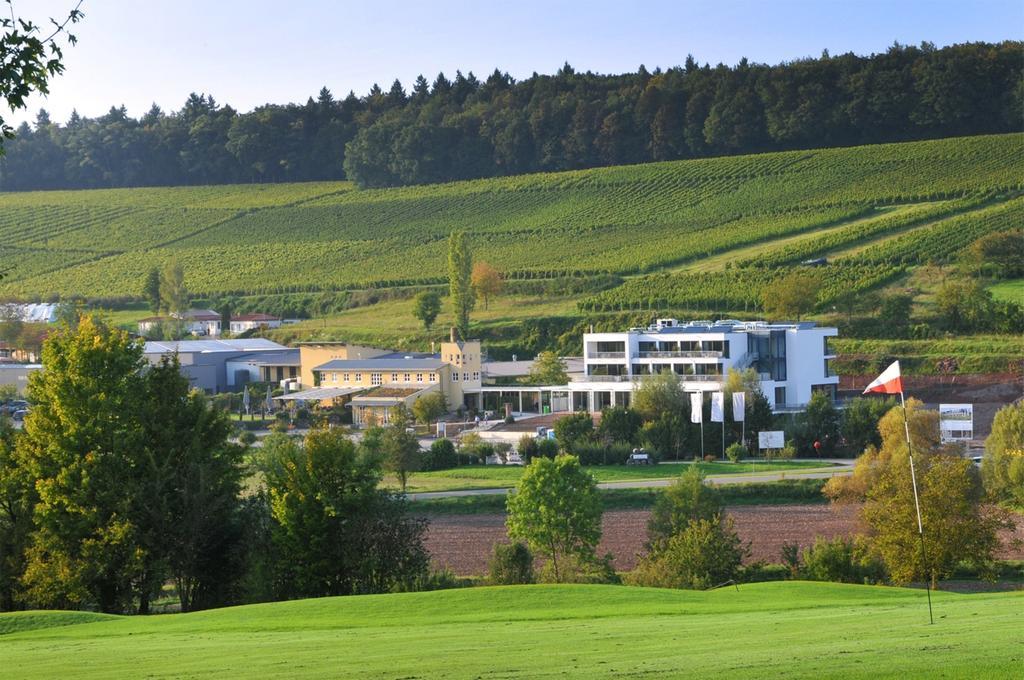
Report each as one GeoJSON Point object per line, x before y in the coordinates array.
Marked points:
{"type": "Point", "coordinates": [556, 513]}
{"type": "Point", "coordinates": [465, 127]}
{"type": "Point", "coordinates": [659, 419]}
{"type": "Point", "coordinates": [467, 281]}
{"type": "Point", "coordinates": [123, 479]}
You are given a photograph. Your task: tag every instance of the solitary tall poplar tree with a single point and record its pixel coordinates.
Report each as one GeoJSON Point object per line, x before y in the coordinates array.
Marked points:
{"type": "Point", "coordinates": [460, 273]}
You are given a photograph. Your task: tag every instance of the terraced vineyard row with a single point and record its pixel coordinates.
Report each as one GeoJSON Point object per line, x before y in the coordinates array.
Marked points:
{"type": "Point", "coordinates": [739, 288]}
{"type": "Point", "coordinates": [732, 290]}
{"type": "Point", "coordinates": [624, 220]}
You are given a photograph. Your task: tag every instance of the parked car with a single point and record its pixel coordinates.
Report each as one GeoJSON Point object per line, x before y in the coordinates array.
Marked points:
{"type": "Point", "coordinates": [640, 457]}
{"type": "Point", "coordinates": [20, 414]}
{"type": "Point", "coordinates": [14, 405]}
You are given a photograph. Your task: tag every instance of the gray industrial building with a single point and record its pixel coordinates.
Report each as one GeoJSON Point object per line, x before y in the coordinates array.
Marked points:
{"type": "Point", "coordinates": [217, 365]}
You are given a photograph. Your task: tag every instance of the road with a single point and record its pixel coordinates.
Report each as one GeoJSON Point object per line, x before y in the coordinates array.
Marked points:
{"type": "Point", "coordinates": [843, 469]}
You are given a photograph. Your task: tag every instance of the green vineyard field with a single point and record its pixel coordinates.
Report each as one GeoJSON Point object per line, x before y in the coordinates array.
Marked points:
{"type": "Point", "coordinates": [906, 204]}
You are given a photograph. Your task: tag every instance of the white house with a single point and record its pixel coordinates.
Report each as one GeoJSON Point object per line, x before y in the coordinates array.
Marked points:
{"type": "Point", "coordinates": [202, 322]}
{"type": "Point", "coordinates": [248, 322]}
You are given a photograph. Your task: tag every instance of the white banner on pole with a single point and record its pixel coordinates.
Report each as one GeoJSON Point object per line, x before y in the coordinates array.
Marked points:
{"type": "Point", "coordinates": [717, 407]}
{"type": "Point", "coordinates": [696, 407]}
{"type": "Point", "coordinates": [739, 406]}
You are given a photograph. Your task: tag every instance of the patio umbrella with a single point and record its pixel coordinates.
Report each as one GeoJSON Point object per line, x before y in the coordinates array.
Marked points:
{"type": "Point", "coordinates": [245, 399]}
{"type": "Point", "coordinates": [270, 400]}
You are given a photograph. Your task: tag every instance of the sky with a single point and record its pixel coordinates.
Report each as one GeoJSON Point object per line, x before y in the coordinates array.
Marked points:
{"type": "Point", "coordinates": [135, 53]}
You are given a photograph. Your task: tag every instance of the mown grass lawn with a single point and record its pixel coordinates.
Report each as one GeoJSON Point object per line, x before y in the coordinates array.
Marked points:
{"type": "Point", "coordinates": [506, 476]}
{"type": "Point", "coordinates": [781, 629]}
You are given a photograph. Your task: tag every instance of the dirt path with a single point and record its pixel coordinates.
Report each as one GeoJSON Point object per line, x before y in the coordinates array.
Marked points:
{"type": "Point", "coordinates": [463, 543]}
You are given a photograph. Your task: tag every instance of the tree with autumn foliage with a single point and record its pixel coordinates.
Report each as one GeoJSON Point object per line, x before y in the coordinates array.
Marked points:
{"type": "Point", "coordinates": [958, 526]}
{"type": "Point", "coordinates": [487, 281]}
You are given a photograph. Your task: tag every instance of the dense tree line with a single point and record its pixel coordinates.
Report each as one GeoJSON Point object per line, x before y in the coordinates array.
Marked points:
{"type": "Point", "coordinates": [124, 479]}
{"type": "Point", "coordinates": [465, 127]}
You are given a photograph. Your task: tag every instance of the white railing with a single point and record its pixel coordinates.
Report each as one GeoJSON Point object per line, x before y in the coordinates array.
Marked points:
{"type": "Point", "coordinates": [630, 378]}
{"type": "Point", "coordinates": [606, 355]}
{"type": "Point", "coordinates": [678, 355]}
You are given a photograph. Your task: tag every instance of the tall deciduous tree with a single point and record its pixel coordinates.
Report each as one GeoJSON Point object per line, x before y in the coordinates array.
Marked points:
{"type": "Point", "coordinates": [548, 369]}
{"type": "Point", "coordinates": [430, 407]}
{"type": "Point", "coordinates": [401, 452]}
{"type": "Point", "coordinates": [173, 294]}
{"type": "Point", "coordinates": [660, 395]}
{"type": "Point", "coordinates": [151, 290]}
{"type": "Point", "coordinates": [17, 497]}
{"type": "Point", "coordinates": [426, 306]}
{"type": "Point", "coordinates": [335, 532]}
{"type": "Point", "coordinates": [82, 443]}
{"type": "Point", "coordinates": [556, 510]}
{"type": "Point", "coordinates": [487, 281]}
{"type": "Point", "coordinates": [1002, 468]}
{"type": "Point", "coordinates": [460, 271]}
{"type": "Point", "coordinates": [958, 526]}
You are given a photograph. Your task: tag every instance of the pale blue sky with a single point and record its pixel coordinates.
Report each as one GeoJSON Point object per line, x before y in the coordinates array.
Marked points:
{"type": "Point", "coordinates": [136, 52]}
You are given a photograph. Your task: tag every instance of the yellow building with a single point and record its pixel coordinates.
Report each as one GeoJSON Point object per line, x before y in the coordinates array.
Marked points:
{"type": "Point", "coordinates": [378, 381]}
{"type": "Point", "coordinates": [312, 354]}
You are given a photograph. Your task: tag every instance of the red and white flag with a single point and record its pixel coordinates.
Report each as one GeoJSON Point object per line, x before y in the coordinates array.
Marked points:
{"type": "Point", "coordinates": [890, 382]}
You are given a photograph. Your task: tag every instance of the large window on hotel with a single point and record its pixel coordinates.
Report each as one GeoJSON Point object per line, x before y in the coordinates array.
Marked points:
{"type": "Point", "coordinates": [375, 379]}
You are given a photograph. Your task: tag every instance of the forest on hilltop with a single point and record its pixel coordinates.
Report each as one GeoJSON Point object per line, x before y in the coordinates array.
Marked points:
{"type": "Point", "coordinates": [465, 128]}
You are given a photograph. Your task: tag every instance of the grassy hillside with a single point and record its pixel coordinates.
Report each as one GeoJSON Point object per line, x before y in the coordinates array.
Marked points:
{"type": "Point", "coordinates": [627, 220]}
{"type": "Point", "coordinates": [786, 629]}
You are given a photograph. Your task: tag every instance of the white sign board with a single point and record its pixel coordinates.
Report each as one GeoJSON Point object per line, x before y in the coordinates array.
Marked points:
{"type": "Point", "coordinates": [956, 422]}
{"type": "Point", "coordinates": [771, 439]}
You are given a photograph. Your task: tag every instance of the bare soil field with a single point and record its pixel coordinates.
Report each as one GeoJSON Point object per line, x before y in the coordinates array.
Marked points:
{"type": "Point", "coordinates": [463, 543]}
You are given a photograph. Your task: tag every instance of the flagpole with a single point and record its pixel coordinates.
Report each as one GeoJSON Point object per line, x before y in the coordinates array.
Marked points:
{"type": "Point", "coordinates": [702, 437]}
{"type": "Point", "coordinates": [917, 506]}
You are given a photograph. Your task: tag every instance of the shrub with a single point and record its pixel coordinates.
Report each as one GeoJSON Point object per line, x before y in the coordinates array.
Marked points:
{"type": "Point", "coordinates": [441, 579]}
{"type": "Point", "coordinates": [440, 456]}
{"type": "Point", "coordinates": [791, 558]}
{"type": "Point", "coordinates": [709, 458]}
{"type": "Point", "coordinates": [707, 553]}
{"type": "Point", "coordinates": [247, 438]}
{"type": "Point", "coordinates": [841, 560]}
{"type": "Point", "coordinates": [511, 564]}
{"type": "Point", "coordinates": [547, 448]}
{"type": "Point", "coordinates": [602, 454]}
{"type": "Point", "coordinates": [787, 452]}
{"type": "Point", "coordinates": [736, 452]}
{"type": "Point", "coordinates": [574, 429]}
{"type": "Point", "coordinates": [527, 448]}
{"type": "Point", "coordinates": [619, 425]}
{"type": "Point", "coordinates": [509, 419]}
{"type": "Point", "coordinates": [688, 499]}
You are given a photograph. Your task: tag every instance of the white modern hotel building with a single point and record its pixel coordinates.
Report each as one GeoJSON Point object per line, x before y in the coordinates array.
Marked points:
{"type": "Point", "coordinates": [792, 359]}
